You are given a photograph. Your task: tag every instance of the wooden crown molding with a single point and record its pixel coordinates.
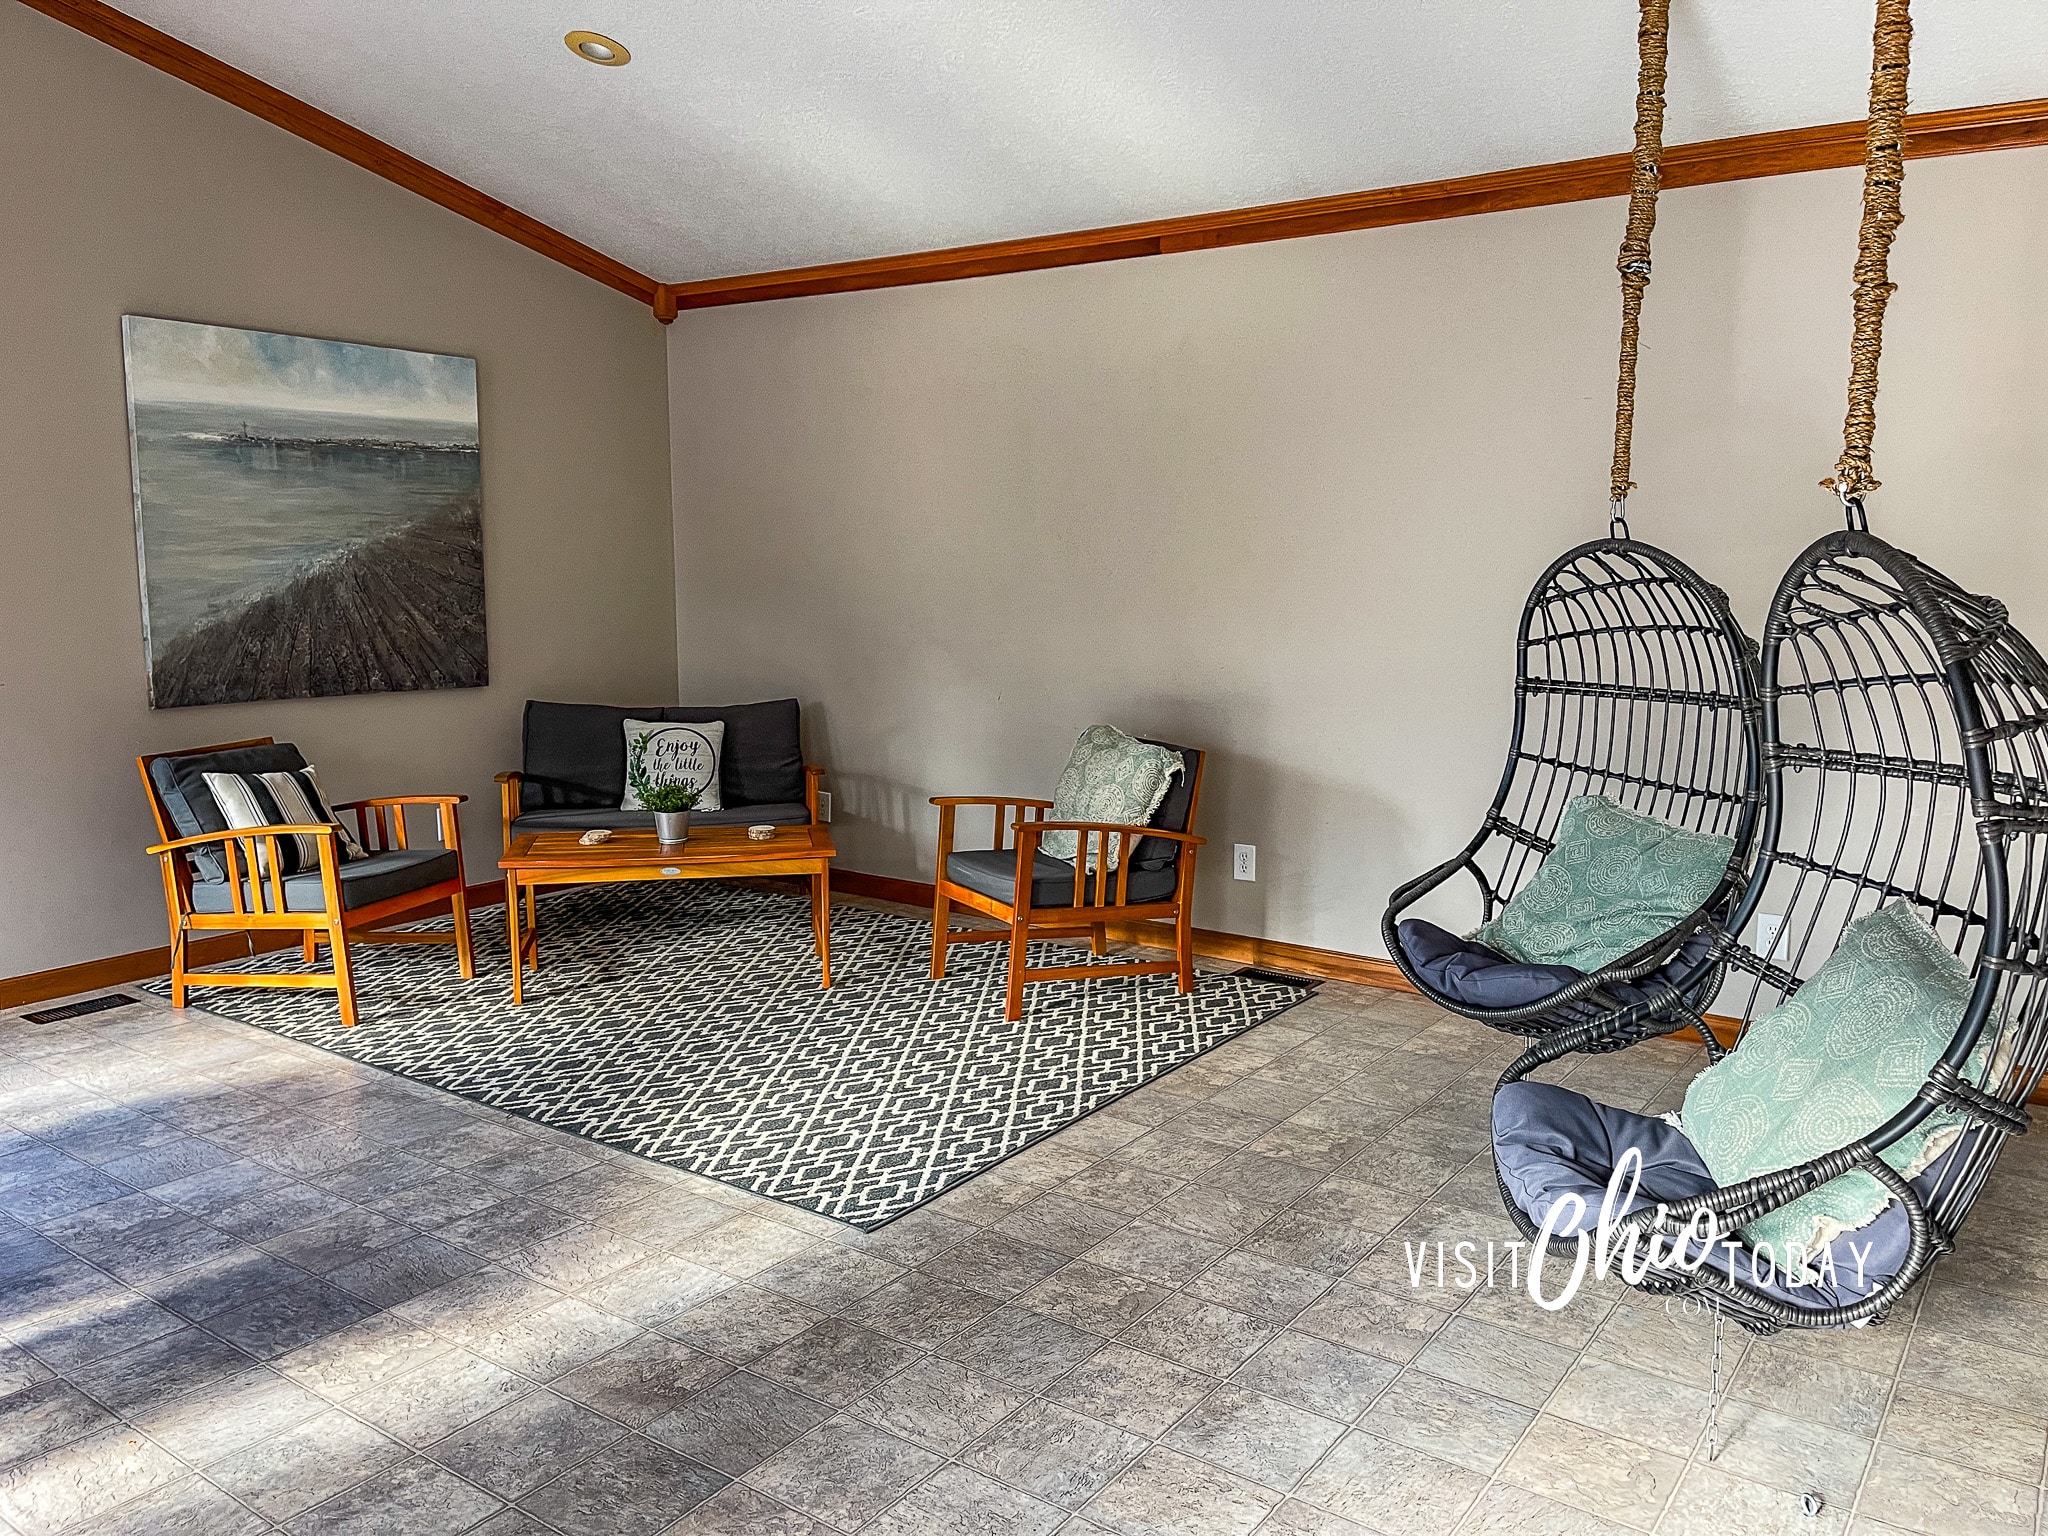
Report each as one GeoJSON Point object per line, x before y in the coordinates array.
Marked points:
{"type": "Point", "coordinates": [2010, 125]}
{"type": "Point", "coordinates": [141, 41]}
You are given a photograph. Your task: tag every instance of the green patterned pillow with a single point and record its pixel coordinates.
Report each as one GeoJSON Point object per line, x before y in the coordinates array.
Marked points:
{"type": "Point", "coordinates": [1832, 1064]}
{"type": "Point", "coordinates": [1615, 880]}
{"type": "Point", "coordinates": [1110, 777]}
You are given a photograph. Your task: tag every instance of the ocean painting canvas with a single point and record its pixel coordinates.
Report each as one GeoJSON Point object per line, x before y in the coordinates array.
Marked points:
{"type": "Point", "coordinates": [308, 515]}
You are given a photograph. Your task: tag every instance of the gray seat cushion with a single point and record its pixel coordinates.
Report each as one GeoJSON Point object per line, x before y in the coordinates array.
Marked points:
{"type": "Point", "coordinates": [363, 883]}
{"type": "Point", "coordinates": [993, 873]}
{"type": "Point", "coordinates": [584, 818]}
{"type": "Point", "coordinates": [574, 755]}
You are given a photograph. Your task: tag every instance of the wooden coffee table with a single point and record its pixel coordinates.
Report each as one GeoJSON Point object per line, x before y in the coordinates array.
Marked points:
{"type": "Point", "coordinates": [712, 853]}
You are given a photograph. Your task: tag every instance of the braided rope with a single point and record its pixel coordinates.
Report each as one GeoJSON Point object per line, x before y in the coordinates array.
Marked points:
{"type": "Point", "coordinates": [1884, 173]}
{"type": "Point", "coordinates": [1652, 36]}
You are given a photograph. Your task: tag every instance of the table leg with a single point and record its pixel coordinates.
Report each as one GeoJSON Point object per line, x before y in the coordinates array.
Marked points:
{"type": "Point", "coordinates": [821, 922]}
{"type": "Point", "coordinates": [512, 923]}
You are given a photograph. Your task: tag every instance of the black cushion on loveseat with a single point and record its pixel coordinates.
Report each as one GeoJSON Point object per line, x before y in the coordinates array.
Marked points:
{"type": "Point", "coordinates": [181, 784]}
{"type": "Point", "coordinates": [584, 818]}
{"type": "Point", "coordinates": [574, 755]}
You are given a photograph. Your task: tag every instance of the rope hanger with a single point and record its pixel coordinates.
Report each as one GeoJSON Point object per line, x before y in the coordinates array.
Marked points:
{"type": "Point", "coordinates": [1884, 173]}
{"type": "Point", "coordinates": [1652, 41]}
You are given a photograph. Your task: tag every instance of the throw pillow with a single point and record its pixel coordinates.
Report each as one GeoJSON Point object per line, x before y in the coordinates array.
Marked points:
{"type": "Point", "coordinates": [282, 799]}
{"type": "Point", "coordinates": [676, 753]}
{"type": "Point", "coordinates": [1833, 1063]}
{"type": "Point", "coordinates": [1109, 777]}
{"type": "Point", "coordinates": [1615, 880]}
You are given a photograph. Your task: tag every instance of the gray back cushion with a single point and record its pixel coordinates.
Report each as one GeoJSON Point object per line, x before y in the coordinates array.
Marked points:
{"type": "Point", "coordinates": [574, 755]}
{"type": "Point", "coordinates": [181, 784]}
{"type": "Point", "coordinates": [1157, 852]}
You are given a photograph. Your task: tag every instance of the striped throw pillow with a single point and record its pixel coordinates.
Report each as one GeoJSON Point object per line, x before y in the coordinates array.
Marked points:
{"type": "Point", "coordinates": [282, 799]}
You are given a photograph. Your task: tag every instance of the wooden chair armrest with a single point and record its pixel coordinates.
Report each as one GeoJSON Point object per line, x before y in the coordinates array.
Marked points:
{"type": "Point", "coordinates": [949, 808]}
{"type": "Point", "coordinates": [509, 776]}
{"type": "Point", "coordinates": [391, 831]}
{"type": "Point", "coordinates": [376, 800]}
{"type": "Point", "coordinates": [321, 829]}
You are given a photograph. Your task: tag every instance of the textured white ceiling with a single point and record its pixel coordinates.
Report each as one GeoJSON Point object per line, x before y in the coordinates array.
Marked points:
{"type": "Point", "coordinates": [782, 133]}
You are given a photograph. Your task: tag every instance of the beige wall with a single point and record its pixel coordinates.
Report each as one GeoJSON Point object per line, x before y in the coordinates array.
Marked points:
{"type": "Point", "coordinates": [126, 191]}
{"type": "Point", "coordinates": [1285, 501]}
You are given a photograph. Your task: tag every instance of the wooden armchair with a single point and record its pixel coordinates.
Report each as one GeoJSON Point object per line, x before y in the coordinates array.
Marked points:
{"type": "Point", "coordinates": [334, 903]}
{"type": "Point", "coordinates": [1040, 897]}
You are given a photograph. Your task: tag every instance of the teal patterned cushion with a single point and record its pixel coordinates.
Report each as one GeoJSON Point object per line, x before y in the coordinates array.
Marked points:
{"type": "Point", "coordinates": [1615, 880]}
{"type": "Point", "coordinates": [1110, 777]}
{"type": "Point", "coordinates": [1834, 1063]}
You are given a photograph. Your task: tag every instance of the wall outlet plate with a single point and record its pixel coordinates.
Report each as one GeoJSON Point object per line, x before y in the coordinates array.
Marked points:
{"type": "Point", "coordinates": [1244, 862]}
{"type": "Point", "coordinates": [824, 805]}
{"type": "Point", "coordinates": [1768, 926]}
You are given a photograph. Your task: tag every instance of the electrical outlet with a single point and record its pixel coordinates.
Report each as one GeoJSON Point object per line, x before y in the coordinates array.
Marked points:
{"type": "Point", "coordinates": [1768, 926]}
{"type": "Point", "coordinates": [1245, 865]}
{"type": "Point", "coordinates": [824, 805]}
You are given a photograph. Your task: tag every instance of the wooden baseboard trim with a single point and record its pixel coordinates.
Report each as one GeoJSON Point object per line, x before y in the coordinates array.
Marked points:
{"type": "Point", "coordinates": [1826, 146]}
{"type": "Point", "coordinates": [1210, 943]}
{"type": "Point", "coordinates": [145, 964]}
{"type": "Point", "coordinates": [1215, 944]}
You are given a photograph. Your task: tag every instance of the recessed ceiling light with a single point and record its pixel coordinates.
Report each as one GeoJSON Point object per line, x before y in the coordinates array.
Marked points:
{"type": "Point", "coordinates": [597, 48]}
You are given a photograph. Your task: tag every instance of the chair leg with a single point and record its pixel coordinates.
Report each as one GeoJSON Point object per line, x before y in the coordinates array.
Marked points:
{"type": "Point", "coordinates": [308, 950]}
{"type": "Point", "coordinates": [177, 967]}
{"type": "Point", "coordinates": [1013, 995]}
{"type": "Point", "coordinates": [1098, 938]}
{"type": "Point", "coordinates": [942, 917]}
{"type": "Point", "coordinates": [464, 955]}
{"type": "Point", "coordinates": [344, 975]}
{"type": "Point", "coordinates": [1184, 947]}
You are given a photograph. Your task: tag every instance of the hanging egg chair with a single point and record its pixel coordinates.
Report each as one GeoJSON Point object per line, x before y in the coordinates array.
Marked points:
{"type": "Point", "coordinates": [1890, 1001]}
{"type": "Point", "coordinates": [1635, 703]}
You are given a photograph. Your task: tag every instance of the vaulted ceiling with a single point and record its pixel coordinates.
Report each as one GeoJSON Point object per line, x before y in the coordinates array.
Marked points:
{"type": "Point", "coordinates": [752, 137]}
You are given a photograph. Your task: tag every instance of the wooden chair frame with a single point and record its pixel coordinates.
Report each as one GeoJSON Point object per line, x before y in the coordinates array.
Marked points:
{"type": "Point", "coordinates": [255, 886]}
{"type": "Point", "coordinates": [1096, 842]}
{"type": "Point", "coordinates": [509, 783]}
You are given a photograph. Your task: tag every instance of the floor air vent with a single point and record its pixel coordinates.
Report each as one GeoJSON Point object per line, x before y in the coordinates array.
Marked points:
{"type": "Point", "coordinates": [1279, 978]}
{"type": "Point", "coordinates": [79, 1009]}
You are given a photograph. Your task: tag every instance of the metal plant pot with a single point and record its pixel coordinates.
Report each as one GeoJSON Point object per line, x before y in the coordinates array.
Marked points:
{"type": "Point", "coordinates": [672, 826]}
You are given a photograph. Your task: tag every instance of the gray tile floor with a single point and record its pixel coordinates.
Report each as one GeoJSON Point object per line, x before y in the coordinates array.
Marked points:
{"type": "Point", "coordinates": [247, 1286]}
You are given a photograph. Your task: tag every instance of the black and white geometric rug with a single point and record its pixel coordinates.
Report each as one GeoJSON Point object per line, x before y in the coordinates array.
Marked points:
{"type": "Point", "coordinates": [686, 1024]}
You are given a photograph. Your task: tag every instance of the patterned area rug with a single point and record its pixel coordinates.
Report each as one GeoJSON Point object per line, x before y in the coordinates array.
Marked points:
{"type": "Point", "coordinates": [685, 1024]}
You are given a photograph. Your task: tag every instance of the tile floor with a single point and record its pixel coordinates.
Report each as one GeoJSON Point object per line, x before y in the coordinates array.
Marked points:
{"type": "Point", "coordinates": [245, 1286]}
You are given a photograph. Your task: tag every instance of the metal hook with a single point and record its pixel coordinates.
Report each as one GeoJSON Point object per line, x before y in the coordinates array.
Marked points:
{"type": "Point", "coordinates": [1852, 510]}
{"type": "Point", "coordinates": [1617, 517]}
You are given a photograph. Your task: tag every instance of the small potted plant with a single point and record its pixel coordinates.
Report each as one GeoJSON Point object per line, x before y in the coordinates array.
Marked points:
{"type": "Point", "coordinates": [670, 802]}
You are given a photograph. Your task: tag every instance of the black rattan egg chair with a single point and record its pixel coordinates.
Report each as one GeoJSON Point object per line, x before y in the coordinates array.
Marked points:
{"type": "Point", "coordinates": [1634, 681]}
{"type": "Point", "coordinates": [1905, 731]}
{"type": "Point", "coordinates": [1906, 755]}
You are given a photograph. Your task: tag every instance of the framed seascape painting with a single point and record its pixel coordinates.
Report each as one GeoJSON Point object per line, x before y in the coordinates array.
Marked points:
{"type": "Point", "coordinates": [308, 515]}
